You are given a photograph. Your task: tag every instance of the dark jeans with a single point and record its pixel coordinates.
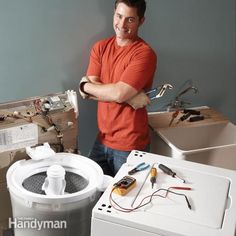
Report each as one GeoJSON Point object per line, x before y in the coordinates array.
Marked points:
{"type": "Point", "coordinates": [109, 159]}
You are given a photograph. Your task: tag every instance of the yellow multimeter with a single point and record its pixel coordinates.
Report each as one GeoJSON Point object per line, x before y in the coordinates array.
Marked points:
{"type": "Point", "coordinates": [123, 186]}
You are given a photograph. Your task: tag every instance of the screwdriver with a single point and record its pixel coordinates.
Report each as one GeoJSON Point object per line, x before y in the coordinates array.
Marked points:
{"type": "Point", "coordinates": [174, 115]}
{"type": "Point", "coordinates": [184, 117]}
{"type": "Point", "coordinates": [153, 176]}
{"type": "Point", "coordinates": [168, 171]}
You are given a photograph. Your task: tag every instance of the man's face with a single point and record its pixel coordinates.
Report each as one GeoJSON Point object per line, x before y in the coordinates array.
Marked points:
{"type": "Point", "coordinates": [126, 22]}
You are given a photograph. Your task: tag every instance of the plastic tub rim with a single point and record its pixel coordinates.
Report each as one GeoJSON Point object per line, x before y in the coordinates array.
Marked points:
{"type": "Point", "coordinates": [15, 184]}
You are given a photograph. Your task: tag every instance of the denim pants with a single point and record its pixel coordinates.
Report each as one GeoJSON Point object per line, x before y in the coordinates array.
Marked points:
{"type": "Point", "coordinates": [109, 159]}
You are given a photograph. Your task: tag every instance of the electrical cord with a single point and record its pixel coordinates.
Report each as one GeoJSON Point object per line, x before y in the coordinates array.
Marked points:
{"type": "Point", "coordinates": [149, 198]}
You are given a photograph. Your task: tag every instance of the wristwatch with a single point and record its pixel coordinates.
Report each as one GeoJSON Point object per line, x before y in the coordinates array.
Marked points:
{"type": "Point", "coordinates": [81, 87]}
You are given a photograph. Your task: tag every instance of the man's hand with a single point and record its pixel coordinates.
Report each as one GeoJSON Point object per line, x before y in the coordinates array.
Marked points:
{"type": "Point", "coordinates": [83, 81]}
{"type": "Point", "coordinates": [140, 100]}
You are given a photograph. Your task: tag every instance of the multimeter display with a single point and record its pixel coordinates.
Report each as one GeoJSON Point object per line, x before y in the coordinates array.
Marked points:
{"type": "Point", "coordinates": [124, 185]}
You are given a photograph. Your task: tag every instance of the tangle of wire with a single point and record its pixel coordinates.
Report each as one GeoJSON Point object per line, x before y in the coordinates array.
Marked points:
{"type": "Point", "coordinates": [118, 207]}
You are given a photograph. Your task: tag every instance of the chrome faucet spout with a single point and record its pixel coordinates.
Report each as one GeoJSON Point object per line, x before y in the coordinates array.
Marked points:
{"type": "Point", "coordinates": [178, 103]}
{"type": "Point", "coordinates": [185, 91]}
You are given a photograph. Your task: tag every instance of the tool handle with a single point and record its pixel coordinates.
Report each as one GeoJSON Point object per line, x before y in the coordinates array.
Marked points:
{"type": "Point", "coordinates": [185, 116]}
{"type": "Point", "coordinates": [152, 98]}
{"type": "Point", "coordinates": [151, 90]}
{"type": "Point", "coordinates": [135, 169]}
{"type": "Point", "coordinates": [175, 114]}
{"type": "Point", "coordinates": [153, 176]}
{"type": "Point", "coordinates": [153, 172]}
{"type": "Point", "coordinates": [196, 118]}
{"type": "Point", "coordinates": [167, 170]}
{"type": "Point", "coordinates": [191, 111]}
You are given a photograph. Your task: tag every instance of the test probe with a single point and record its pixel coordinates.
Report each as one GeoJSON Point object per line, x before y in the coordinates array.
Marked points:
{"type": "Point", "coordinates": [168, 171]}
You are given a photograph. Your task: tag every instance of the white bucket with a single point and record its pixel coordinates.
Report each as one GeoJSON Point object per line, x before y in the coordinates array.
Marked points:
{"type": "Point", "coordinates": [35, 213]}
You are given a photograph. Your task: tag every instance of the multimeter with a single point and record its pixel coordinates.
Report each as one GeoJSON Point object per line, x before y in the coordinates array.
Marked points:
{"type": "Point", "coordinates": [123, 186]}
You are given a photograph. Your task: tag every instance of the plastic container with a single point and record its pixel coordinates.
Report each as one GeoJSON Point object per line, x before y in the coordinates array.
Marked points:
{"type": "Point", "coordinates": [65, 213]}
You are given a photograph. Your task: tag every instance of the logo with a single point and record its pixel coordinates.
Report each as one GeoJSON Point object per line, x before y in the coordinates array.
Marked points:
{"type": "Point", "coordinates": [33, 223]}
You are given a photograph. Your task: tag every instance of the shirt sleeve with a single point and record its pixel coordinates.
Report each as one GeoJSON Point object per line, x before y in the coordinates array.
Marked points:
{"type": "Point", "coordinates": [140, 72]}
{"type": "Point", "coordinates": [94, 67]}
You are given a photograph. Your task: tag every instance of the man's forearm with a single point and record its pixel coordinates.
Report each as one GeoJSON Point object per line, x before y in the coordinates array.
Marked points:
{"type": "Point", "coordinates": [118, 92]}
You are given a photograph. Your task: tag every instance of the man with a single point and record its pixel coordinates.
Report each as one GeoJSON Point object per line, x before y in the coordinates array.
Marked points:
{"type": "Point", "coordinates": [121, 69]}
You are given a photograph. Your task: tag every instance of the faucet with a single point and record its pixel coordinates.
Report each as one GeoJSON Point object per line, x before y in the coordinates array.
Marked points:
{"type": "Point", "coordinates": [177, 103]}
{"type": "Point", "coordinates": [185, 91]}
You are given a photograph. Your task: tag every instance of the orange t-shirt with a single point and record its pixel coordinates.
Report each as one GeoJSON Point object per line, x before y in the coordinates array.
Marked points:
{"type": "Point", "coordinates": [120, 126]}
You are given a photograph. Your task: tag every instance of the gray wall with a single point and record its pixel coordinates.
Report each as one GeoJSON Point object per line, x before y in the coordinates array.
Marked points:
{"type": "Point", "coordinates": [45, 44]}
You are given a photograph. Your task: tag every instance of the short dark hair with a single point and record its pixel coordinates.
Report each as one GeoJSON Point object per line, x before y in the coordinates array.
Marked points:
{"type": "Point", "coordinates": [140, 5]}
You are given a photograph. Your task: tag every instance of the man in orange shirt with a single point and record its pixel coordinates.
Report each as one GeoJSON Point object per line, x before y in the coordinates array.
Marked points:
{"type": "Point", "coordinates": [121, 69]}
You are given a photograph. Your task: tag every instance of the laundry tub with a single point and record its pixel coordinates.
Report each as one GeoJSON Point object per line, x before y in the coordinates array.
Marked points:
{"type": "Point", "coordinates": [69, 213]}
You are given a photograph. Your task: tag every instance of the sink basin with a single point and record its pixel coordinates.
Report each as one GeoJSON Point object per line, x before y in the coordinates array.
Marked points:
{"type": "Point", "coordinates": [212, 144]}
{"type": "Point", "coordinates": [224, 157]}
{"type": "Point", "coordinates": [207, 136]}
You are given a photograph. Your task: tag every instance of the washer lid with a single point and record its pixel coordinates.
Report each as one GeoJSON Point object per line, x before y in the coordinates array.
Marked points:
{"type": "Point", "coordinates": [40, 152]}
{"type": "Point", "coordinates": [209, 194]}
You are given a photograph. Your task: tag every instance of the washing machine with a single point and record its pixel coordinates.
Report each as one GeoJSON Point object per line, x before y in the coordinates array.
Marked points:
{"type": "Point", "coordinates": [196, 200]}
{"type": "Point", "coordinates": [53, 194]}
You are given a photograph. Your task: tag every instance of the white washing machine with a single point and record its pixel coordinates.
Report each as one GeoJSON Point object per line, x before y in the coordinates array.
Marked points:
{"type": "Point", "coordinates": [210, 191]}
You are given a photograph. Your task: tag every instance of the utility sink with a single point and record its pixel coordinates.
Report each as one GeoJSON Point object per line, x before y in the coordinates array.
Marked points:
{"type": "Point", "coordinates": [196, 139]}
{"type": "Point", "coordinates": [211, 141]}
